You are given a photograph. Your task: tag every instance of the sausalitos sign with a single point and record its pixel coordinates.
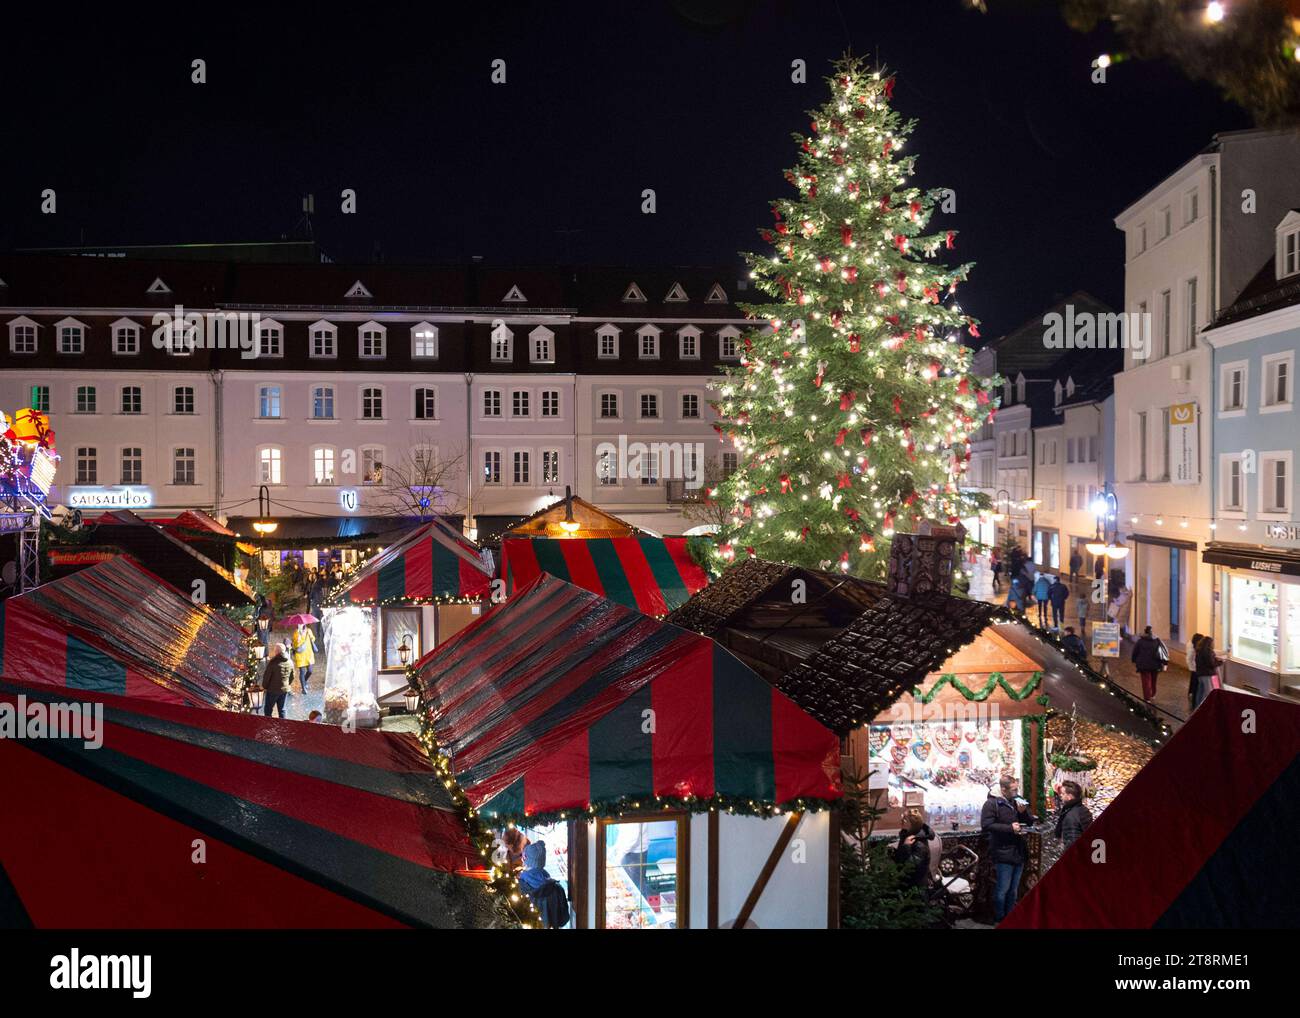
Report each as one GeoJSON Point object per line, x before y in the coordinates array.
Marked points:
{"type": "Point", "coordinates": [122, 497]}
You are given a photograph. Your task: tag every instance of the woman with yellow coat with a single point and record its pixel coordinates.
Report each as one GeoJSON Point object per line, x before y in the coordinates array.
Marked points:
{"type": "Point", "coordinates": [304, 653]}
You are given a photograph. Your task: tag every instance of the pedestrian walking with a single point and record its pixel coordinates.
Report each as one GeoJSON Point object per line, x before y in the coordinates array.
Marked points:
{"type": "Point", "coordinates": [1071, 642]}
{"type": "Point", "coordinates": [1081, 608]}
{"type": "Point", "coordinates": [1208, 664]}
{"type": "Point", "coordinates": [1016, 595]}
{"type": "Point", "coordinates": [276, 678]}
{"type": "Point", "coordinates": [1150, 657]}
{"type": "Point", "coordinates": [1076, 563]}
{"type": "Point", "coordinates": [1057, 594]}
{"type": "Point", "coordinates": [1042, 585]}
{"type": "Point", "coordinates": [997, 574]}
{"type": "Point", "coordinates": [304, 654]}
{"type": "Point", "coordinates": [1189, 655]}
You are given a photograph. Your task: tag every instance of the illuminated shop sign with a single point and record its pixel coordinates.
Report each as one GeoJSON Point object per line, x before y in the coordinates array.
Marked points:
{"type": "Point", "coordinates": [348, 499]}
{"type": "Point", "coordinates": [120, 497]}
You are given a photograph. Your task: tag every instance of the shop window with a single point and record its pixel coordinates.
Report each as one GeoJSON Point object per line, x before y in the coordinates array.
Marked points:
{"type": "Point", "coordinates": [1291, 657]}
{"type": "Point", "coordinates": [1254, 608]}
{"type": "Point", "coordinates": [400, 625]}
{"type": "Point", "coordinates": [1175, 592]}
{"type": "Point", "coordinates": [642, 873]}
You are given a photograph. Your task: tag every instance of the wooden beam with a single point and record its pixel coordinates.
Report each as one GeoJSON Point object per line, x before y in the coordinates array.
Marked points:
{"type": "Point", "coordinates": [579, 899]}
{"type": "Point", "coordinates": [715, 823]}
{"type": "Point", "coordinates": [833, 890]}
{"type": "Point", "coordinates": [769, 867]}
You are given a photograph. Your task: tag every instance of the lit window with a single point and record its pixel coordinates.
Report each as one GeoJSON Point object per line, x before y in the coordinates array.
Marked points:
{"type": "Point", "coordinates": [607, 467]}
{"type": "Point", "coordinates": [322, 465]}
{"type": "Point", "coordinates": [550, 466]}
{"type": "Point", "coordinates": [491, 467]}
{"type": "Point", "coordinates": [372, 464]}
{"type": "Point", "coordinates": [424, 341]}
{"type": "Point", "coordinates": [642, 873]}
{"type": "Point", "coordinates": [269, 465]}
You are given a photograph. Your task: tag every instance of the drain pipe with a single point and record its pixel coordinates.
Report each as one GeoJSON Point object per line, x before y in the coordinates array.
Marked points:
{"type": "Point", "coordinates": [218, 398]}
{"type": "Point", "coordinates": [470, 529]}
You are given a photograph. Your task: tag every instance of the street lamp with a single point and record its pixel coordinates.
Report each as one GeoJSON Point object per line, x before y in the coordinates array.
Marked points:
{"type": "Point", "coordinates": [412, 698]}
{"type": "Point", "coordinates": [264, 525]}
{"type": "Point", "coordinates": [256, 697]}
{"type": "Point", "coordinates": [404, 651]}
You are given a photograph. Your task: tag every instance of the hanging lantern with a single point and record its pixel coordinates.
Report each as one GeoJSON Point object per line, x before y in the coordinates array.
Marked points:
{"type": "Point", "coordinates": [256, 697]}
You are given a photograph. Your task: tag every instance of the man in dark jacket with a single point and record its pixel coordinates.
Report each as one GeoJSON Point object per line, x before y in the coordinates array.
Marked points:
{"type": "Point", "coordinates": [1149, 658]}
{"type": "Point", "coordinates": [1076, 563]}
{"type": "Point", "coordinates": [1057, 593]}
{"type": "Point", "coordinates": [1072, 643]}
{"type": "Point", "coordinates": [1004, 819]}
{"type": "Point", "coordinates": [276, 680]}
{"type": "Point", "coordinates": [548, 897]}
{"type": "Point", "coordinates": [1075, 816]}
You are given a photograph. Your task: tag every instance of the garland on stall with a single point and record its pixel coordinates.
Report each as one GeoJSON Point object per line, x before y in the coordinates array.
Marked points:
{"type": "Point", "coordinates": [1032, 750]}
{"type": "Point", "coordinates": [996, 679]}
{"type": "Point", "coordinates": [1074, 764]}
{"type": "Point", "coordinates": [643, 804]}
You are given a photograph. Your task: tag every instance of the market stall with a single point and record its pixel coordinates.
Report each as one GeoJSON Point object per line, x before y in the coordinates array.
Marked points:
{"type": "Point", "coordinates": [115, 627]}
{"type": "Point", "coordinates": [651, 574]}
{"type": "Point", "coordinates": [638, 752]}
{"type": "Point", "coordinates": [412, 596]}
{"type": "Point", "coordinates": [189, 818]}
{"type": "Point", "coordinates": [1219, 822]}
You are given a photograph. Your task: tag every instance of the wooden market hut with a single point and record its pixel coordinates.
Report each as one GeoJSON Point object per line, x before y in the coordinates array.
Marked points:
{"type": "Point", "coordinates": [643, 756]}
{"type": "Point", "coordinates": [572, 516]}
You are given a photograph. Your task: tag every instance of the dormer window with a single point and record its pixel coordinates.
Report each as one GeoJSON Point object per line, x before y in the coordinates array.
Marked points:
{"type": "Point", "coordinates": [270, 340]}
{"type": "Point", "coordinates": [424, 341]}
{"type": "Point", "coordinates": [1288, 245]}
{"type": "Point", "coordinates": [71, 334]}
{"type": "Point", "coordinates": [607, 342]}
{"type": "Point", "coordinates": [1069, 387]}
{"type": "Point", "coordinates": [541, 346]}
{"type": "Point", "coordinates": [1057, 390]}
{"type": "Point", "coordinates": [126, 337]}
{"type": "Point", "coordinates": [372, 341]}
{"type": "Point", "coordinates": [1020, 388]}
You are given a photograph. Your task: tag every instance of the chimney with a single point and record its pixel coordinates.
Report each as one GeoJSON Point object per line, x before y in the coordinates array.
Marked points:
{"type": "Point", "coordinates": [922, 563]}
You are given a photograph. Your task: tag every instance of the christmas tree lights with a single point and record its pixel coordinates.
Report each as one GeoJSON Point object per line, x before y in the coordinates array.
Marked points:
{"type": "Point", "coordinates": [853, 405]}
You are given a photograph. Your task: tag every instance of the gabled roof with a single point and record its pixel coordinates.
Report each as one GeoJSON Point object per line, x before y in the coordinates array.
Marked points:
{"type": "Point", "coordinates": [593, 521]}
{"type": "Point", "coordinates": [845, 649]}
{"type": "Point", "coordinates": [1022, 349]}
{"type": "Point", "coordinates": [430, 563]}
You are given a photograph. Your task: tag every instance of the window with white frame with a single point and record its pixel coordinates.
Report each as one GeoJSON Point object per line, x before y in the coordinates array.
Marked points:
{"type": "Point", "coordinates": [1275, 484]}
{"type": "Point", "coordinates": [373, 341]}
{"type": "Point", "coordinates": [87, 471]}
{"type": "Point", "coordinates": [550, 402]}
{"type": "Point", "coordinates": [126, 338]}
{"type": "Point", "coordinates": [1288, 252]}
{"type": "Point", "coordinates": [729, 343]}
{"type": "Point", "coordinates": [322, 465]}
{"type": "Point", "coordinates": [541, 346]}
{"type": "Point", "coordinates": [1140, 445]}
{"type": "Point", "coordinates": [607, 343]}
{"type": "Point", "coordinates": [268, 402]}
{"type": "Point", "coordinates": [688, 343]}
{"type": "Point", "coordinates": [372, 403]}
{"type": "Point", "coordinates": [491, 403]}
{"type": "Point", "coordinates": [1166, 222]}
{"type": "Point", "coordinates": [607, 467]}
{"type": "Point", "coordinates": [1277, 371]}
{"type": "Point", "coordinates": [87, 401]}
{"type": "Point", "coordinates": [270, 340]}
{"type": "Point", "coordinates": [1189, 310]}
{"type": "Point", "coordinates": [1166, 322]}
{"type": "Point", "coordinates": [503, 344]}
{"type": "Point", "coordinates": [491, 466]}
{"type": "Point", "coordinates": [324, 340]}
{"type": "Point", "coordinates": [182, 337]}
{"type": "Point", "coordinates": [72, 337]}
{"type": "Point", "coordinates": [1191, 207]}
{"type": "Point", "coordinates": [690, 406]}
{"type": "Point", "coordinates": [648, 343]}
{"type": "Point", "coordinates": [183, 399]}
{"type": "Point", "coordinates": [550, 466]}
{"type": "Point", "coordinates": [372, 464]}
{"type": "Point", "coordinates": [730, 463]}
{"type": "Point", "coordinates": [40, 399]}
{"type": "Point", "coordinates": [269, 465]}
{"type": "Point", "coordinates": [649, 406]}
{"type": "Point", "coordinates": [426, 403]}
{"type": "Point", "coordinates": [424, 341]}
{"type": "Point", "coordinates": [322, 402]}
{"type": "Point", "coordinates": [1232, 487]}
{"type": "Point", "coordinates": [519, 406]}
{"type": "Point", "coordinates": [649, 466]}
{"type": "Point", "coordinates": [522, 461]}
{"type": "Point", "coordinates": [132, 399]}
{"type": "Point", "coordinates": [183, 465]}
{"type": "Point", "coordinates": [22, 336]}
{"type": "Point", "coordinates": [1166, 460]}
{"type": "Point", "coordinates": [1141, 238]}
{"type": "Point", "coordinates": [132, 465]}
{"type": "Point", "coordinates": [1232, 387]}
{"type": "Point", "coordinates": [609, 405]}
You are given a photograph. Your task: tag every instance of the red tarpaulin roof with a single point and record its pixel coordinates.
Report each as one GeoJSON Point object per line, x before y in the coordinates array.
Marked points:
{"type": "Point", "coordinates": [1200, 838]}
{"type": "Point", "coordinates": [117, 628]}
{"type": "Point", "coordinates": [542, 706]}
{"type": "Point", "coordinates": [304, 825]}
{"type": "Point", "coordinates": [651, 574]}
{"type": "Point", "coordinates": [428, 564]}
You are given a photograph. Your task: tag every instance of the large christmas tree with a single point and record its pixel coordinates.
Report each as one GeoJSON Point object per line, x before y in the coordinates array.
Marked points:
{"type": "Point", "coordinates": [853, 407]}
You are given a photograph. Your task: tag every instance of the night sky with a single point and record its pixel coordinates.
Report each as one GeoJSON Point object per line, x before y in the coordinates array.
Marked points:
{"type": "Point", "coordinates": [693, 99]}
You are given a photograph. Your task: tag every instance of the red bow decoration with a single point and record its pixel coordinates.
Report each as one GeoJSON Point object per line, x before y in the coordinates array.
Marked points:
{"type": "Point", "coordinates": [845, 481]}
{"type": "Point", "coordinates": [882, 287]}
{"type": "Point", "coordinates": [963, 387]}
{"type": "Point", "coordinates": [785, 484]}
{"type": "Point", "coordinates": [846, 400]}
{"type": "Point", "coordinates": [913, 209]}
{"type": "Point", "coordinates": [889, 88]}
{"type": "Point", "coordinates": [866, 434]}
{"type": "Point", "coordinates": [948, 239]}
{"type": "Point", "coordinates": [851, 274]}
{"type": "Point", "coordinates": [853, 190]}
{"type": "Point", "coordinates": [889, 521]}
{"type": "Point", "coordinates": [852, 513]}
{"type": "Point", "coordinates": [973, 330]}
{"type": "Point", "coordinates": [898, 404]}
{"type": "Point", "coordinates": [846, 235]}
{"type": "Point", "coordinates": [839, 438]}
{"type": "Point", "coordinates": [902, 282]}
{"type": "Point", "coordinates": [855, 343]}
{"type": "Point", "coordinates": [825, 265]}
{"type": "Point", "coordinates": [803, 534]}
{"type": "Point", "coordinates": [900, 242]}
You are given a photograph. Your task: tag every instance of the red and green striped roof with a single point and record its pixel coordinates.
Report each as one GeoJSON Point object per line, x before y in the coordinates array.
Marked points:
{"type": "Point", "coordinates": [427, 564]}
{"type": "Point", "coordinates": [654, 575]}
{"type": "Point", "coordinates": [305, 825]}
{"type": "Point", "coordinates": [117, 628]}
{"type": "Point", "coordinates": [542, 706]}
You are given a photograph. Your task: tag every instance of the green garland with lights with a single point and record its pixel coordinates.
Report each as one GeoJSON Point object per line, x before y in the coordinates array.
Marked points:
{"type": "Point", "coordinates": [996, 680]}
{"type": "Point", "coordinates": [1065, 762]}
{"type": "Point", "coordinates": [647, 804]}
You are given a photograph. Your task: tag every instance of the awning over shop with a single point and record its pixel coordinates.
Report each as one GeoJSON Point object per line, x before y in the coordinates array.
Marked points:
{"type": "Point", "coordinates": [651, 574]}
{"type": "Point", "coordinates": [115, 627]}
{"type": "Point", "coordinates": [543, 706]}
{"type": "Point", "coordinates": [303, 825]}
{"type": "Point", "coordinates": [1218, 821]}
{"type": "Point", "coordinates": [428, 564]}
{"type": "Point", "coordinates": [1284, 561]}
